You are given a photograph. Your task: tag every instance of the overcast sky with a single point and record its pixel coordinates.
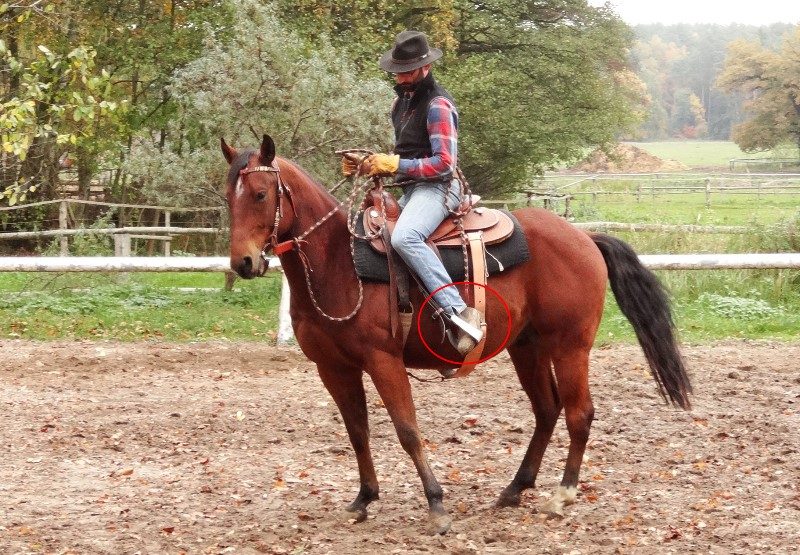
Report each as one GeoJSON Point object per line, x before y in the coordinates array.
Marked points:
{"type": "Point", "coordinates": [760, 12]}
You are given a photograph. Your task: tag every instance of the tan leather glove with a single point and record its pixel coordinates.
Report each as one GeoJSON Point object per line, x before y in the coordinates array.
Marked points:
{"type": "Point", "coordinates": [380, 165]}
{"type": "Point", "coordinates": [349, 166]}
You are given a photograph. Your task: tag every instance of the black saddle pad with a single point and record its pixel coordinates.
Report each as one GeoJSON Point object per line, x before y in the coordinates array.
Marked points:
{"type": "Point", "coordinates": [372, 266]}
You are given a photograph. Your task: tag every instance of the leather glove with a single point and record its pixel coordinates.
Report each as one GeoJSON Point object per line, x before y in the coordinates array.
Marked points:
{"type": "Point", "coordinates": [349, 166]}
{"type": "Point", "coordinates": [380, 165]}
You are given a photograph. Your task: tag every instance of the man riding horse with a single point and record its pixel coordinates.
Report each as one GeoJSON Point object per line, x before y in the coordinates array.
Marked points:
{"type": "Point", "coordinates": [424, 163]}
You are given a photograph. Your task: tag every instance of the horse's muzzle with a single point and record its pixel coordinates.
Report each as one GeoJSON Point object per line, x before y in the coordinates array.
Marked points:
{"type": "Point", "coordinates": [249, 267]}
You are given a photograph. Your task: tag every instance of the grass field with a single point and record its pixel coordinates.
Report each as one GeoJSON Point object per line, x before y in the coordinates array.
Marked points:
{"type": "Point", "coordinates": [137, 306]}
{"type": "Point", "coordinates": [698, 154]}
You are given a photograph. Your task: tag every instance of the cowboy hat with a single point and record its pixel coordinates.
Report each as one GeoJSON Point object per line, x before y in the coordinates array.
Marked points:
{"type": "Point", "coordinates": [410, 51]}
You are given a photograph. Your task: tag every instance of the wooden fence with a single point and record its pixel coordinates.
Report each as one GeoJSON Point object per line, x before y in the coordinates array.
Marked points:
{"type": "Point", "coordinates": [567, 187]}
{"type": "Point", "coordinates": [123, 236]}
{"type": "Point", "coordinates": [553, 191]}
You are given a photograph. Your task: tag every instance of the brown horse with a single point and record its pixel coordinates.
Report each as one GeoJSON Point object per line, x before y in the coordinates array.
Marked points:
{"type": "Point", "coordinates": [555, 299]}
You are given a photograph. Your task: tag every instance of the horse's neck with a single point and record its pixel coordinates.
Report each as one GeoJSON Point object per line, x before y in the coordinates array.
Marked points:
{"type": "Point", "coordinates": [326, 249]}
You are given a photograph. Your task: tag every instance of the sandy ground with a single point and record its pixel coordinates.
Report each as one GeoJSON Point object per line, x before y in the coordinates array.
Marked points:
{"type": "Point", "coordinates": [237, 448]}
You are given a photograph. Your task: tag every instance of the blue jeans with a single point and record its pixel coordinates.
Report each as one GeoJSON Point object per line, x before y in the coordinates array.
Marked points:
{"type": "Point", "coordinates": [423, 205]}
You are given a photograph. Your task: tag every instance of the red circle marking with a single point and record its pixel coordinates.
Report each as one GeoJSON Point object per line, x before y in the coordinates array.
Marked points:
{"type": "Point", "coordinates": [461, 362]}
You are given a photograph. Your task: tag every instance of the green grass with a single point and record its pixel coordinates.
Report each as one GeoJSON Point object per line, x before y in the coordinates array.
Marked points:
{"type": "Point", "coordinates": [137, 306]}
{"type": "Point", "coordinates": [707, 305]}
{"type": "Point", "coordinates": [690, 208]}
{"type": "Point", "coordinates": [720, 304]}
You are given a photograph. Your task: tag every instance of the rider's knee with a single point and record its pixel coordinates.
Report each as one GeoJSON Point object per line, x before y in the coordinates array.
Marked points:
{"type": "Point", "coordinates": [404, 239]}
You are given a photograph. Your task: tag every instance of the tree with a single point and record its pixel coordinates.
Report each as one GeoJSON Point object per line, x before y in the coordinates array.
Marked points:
{"type": "Point", "coordinates": [53, 99]}
{"type": "Point", "coordinates": [769, 80]}
{"type": "Point", "coordinates": [536, 84]}
{"type": "Point", "coordinates": [264, 79]}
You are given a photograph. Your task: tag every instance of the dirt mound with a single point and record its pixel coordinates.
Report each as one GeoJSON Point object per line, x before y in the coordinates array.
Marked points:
{"type": "Point", "coordinates": [626, 159]}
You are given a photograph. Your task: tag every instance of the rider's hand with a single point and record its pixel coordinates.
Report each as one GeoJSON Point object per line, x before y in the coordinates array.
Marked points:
{"type": "Point", "coordinates": [380, 165]}
{"type": "Point", "coordinates": [349, 166]}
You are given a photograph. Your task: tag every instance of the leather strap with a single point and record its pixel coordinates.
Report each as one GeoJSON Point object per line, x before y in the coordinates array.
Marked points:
{"type": "Point", "coordinates": [394, 316]}
{"type": "Point", "coordinates": [479, 277]}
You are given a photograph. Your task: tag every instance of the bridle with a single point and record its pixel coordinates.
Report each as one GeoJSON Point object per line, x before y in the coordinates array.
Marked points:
{"type": "Point", "coordinates": [294, 244]}
{"type": "Point", "coordinates": [283, 191]}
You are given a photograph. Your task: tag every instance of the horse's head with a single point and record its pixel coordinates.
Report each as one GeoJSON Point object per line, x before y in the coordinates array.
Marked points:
{"type": "Point", "coordinates": [259, 205]}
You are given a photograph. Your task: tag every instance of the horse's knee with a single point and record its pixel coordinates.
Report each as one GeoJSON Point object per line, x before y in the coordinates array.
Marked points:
{"type": "Point", "coordinates": [360, 442]}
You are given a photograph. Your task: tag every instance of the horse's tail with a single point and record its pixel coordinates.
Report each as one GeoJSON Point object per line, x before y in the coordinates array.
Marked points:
{"type": "Point", "coordinates": [643, 300]}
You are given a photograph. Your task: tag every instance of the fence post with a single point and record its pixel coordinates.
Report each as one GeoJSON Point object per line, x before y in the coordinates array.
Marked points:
{"type": "Point", "coordinates": [122, 244]}
{"type": "Point", "coordinates": [284, 320]}
{"type": "Point", "coordinates": [62, 224]}
{"type": "Point", "coordinates": [708, 192]}
{"type": "Point", "coordinates": [639, 192]}
{"type": "Point", "coordinates": [168, 242]}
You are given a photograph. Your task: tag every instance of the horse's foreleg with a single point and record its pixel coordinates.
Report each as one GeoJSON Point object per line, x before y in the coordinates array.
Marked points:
{"type": "Point", "coordinates": [572, 374]}
{"type": "Point", "coordinates": [390, 379]}
{"type": "Point", "coordinates": [532, 364]}
{"type": "Point", "coordinates": [347, 389]}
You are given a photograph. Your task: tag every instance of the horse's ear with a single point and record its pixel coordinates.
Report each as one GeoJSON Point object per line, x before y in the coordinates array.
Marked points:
{"type": "Point", "coordinates": [267, 150]}
{"type": "Point", "coordinates": [227, 151]}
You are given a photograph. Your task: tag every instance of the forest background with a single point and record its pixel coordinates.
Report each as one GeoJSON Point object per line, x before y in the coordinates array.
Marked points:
{"type": "Point", "coordinates": [136, 95]}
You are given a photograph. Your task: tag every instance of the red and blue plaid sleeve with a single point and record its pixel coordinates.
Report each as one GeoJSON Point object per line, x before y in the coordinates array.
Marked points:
{"type": "Point", "coordinates": [443, 134]}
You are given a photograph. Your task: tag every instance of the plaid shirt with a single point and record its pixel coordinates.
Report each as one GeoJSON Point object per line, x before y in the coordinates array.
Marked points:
{"type": "Point", "coordinates": [443, 134]}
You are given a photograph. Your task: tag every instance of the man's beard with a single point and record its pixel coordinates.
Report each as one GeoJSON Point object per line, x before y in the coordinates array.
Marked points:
{"type": "Point", "coordinates": [408, 87]}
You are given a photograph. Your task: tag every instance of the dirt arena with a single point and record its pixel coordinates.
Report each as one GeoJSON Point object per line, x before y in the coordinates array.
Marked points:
{"type": "Point", "coordinates": [237, 448]}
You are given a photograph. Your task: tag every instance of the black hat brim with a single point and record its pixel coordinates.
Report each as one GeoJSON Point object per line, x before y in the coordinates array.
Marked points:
{"type": "Point", "coordinates": [387, 63]}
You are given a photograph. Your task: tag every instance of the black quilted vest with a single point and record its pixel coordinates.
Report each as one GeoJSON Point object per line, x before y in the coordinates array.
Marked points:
{"type": "Point", "coordinates": [410, 119]}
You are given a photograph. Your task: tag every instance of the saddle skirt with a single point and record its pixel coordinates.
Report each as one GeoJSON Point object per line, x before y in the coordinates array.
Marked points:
{"type": "Point", "coordinates": [496, 226]}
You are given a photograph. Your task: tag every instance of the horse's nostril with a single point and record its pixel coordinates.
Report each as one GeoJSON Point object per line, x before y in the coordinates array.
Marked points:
{"type": "Point", "coordinates": [248, 262]}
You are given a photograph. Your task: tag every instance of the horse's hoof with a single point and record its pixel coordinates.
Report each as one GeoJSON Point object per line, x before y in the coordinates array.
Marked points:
{"type": "Point", "coordinates": [438, 525]}
{"type": "Point", "coordinates": [508, 499]}
{"type": "Point", "coordinates": [563, 496]}
{"type": "Point", "coordinates": [355, 515]}
{"type": "Point", "coordinates": [553, 510]}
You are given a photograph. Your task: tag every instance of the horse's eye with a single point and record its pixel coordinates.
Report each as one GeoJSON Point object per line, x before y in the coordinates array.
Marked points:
{"type": "Point", "coordinates": [260, 196]}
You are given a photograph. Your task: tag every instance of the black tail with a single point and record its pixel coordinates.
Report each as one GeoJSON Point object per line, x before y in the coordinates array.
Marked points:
{"type": "Point", "coordinates": [643, 300]}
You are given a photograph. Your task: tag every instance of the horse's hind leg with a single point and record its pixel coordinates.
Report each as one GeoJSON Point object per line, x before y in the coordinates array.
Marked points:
{"type": "Point", "coordinates": [572, 374]}
{"type": "Point", "coordinates": [347, 389]}
{"type": "Point", "coordinates": [390, 379]}
{"type": "Point", "coordinates": [532, 364]}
